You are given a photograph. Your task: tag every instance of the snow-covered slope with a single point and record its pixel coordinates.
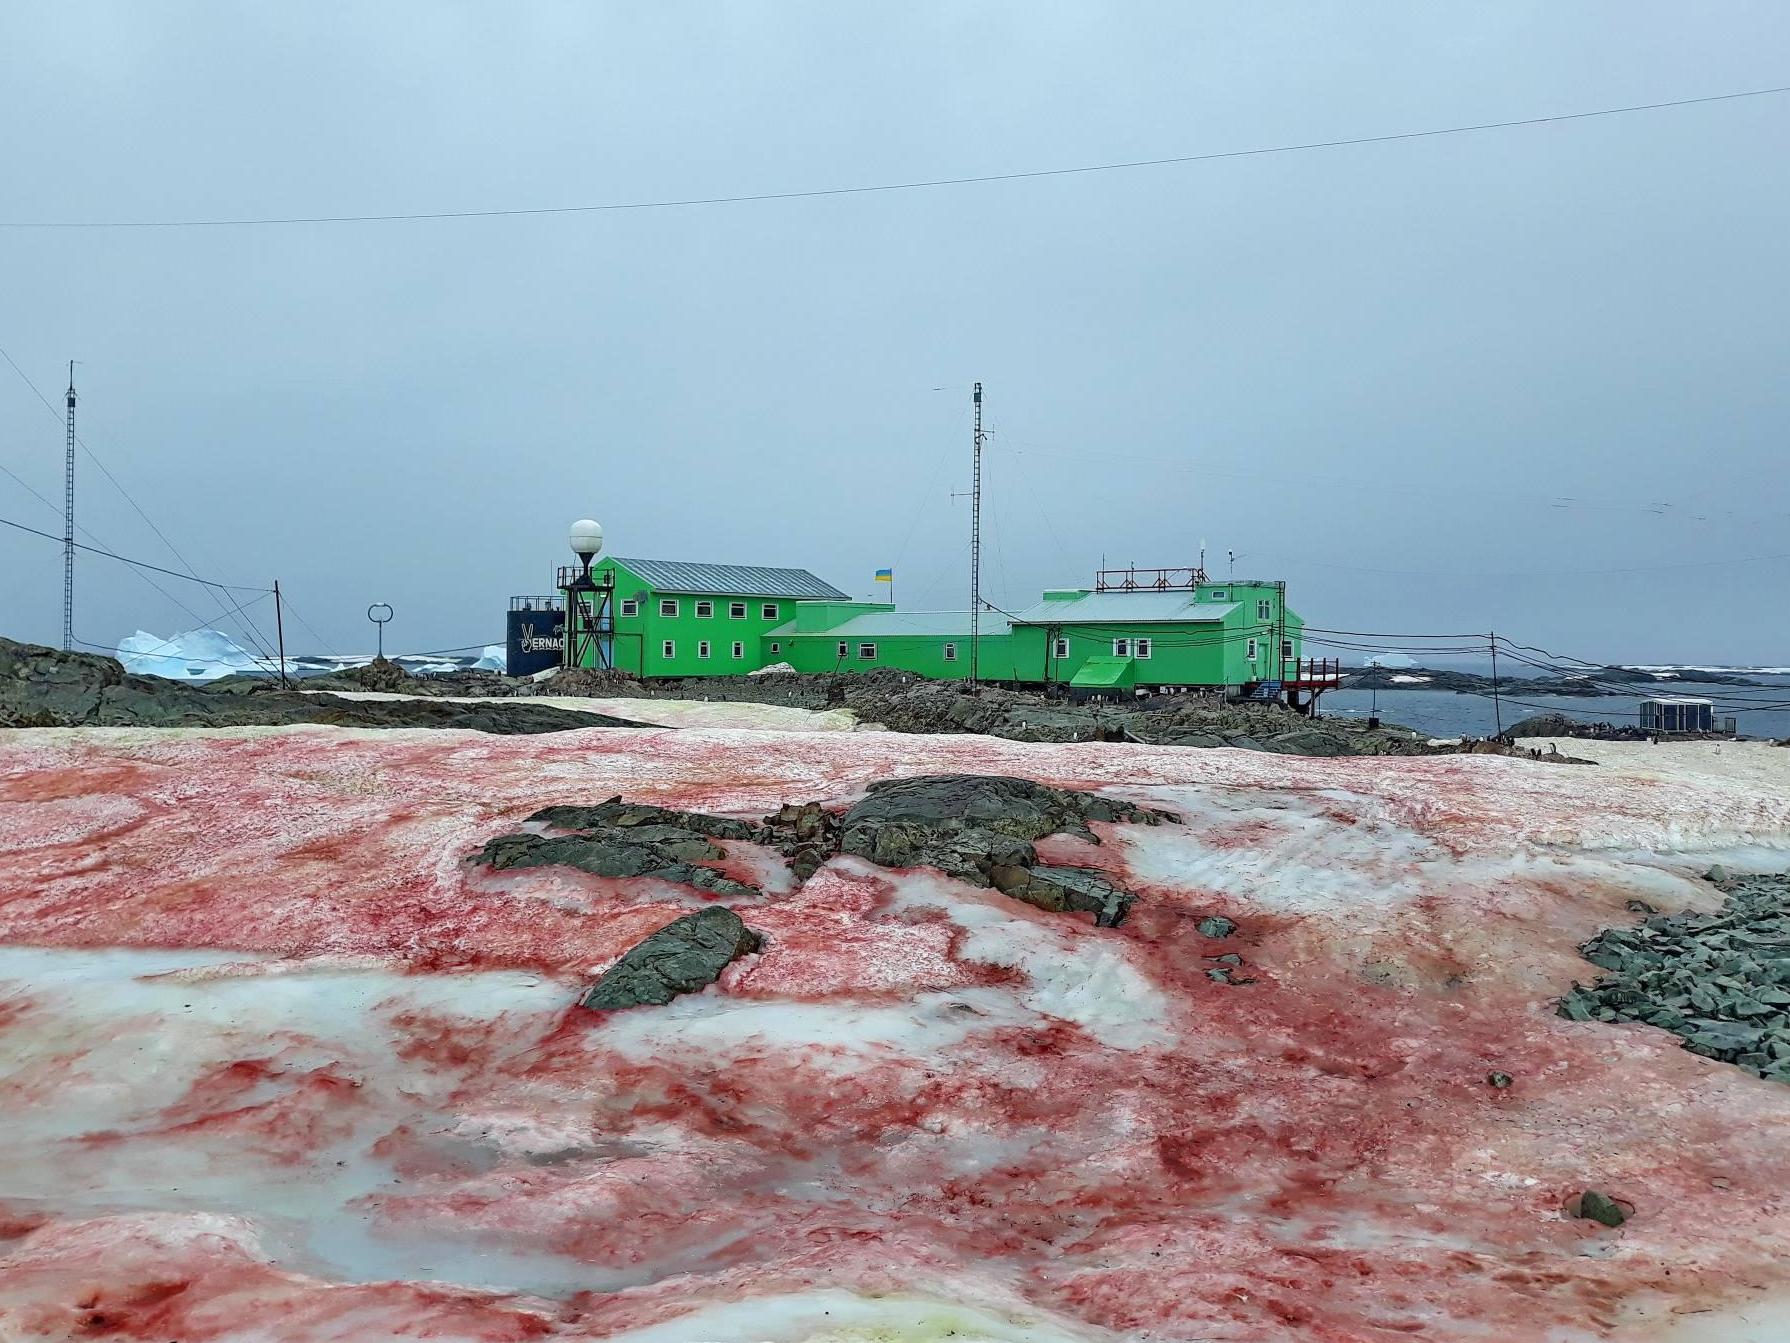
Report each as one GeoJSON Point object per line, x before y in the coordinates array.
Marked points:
{"type": "Point", "coordinates": [275, 1062]}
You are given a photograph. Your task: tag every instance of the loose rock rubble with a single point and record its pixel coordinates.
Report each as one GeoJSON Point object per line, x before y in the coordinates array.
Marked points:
{"type": "Point", "coordinates": [1721, 982]}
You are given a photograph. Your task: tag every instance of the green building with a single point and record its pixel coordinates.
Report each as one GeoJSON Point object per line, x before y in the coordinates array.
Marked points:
{"type": "Point", "coordinates": [672, 618]}
{"type": "Point", "coordinates": [1133, 631]}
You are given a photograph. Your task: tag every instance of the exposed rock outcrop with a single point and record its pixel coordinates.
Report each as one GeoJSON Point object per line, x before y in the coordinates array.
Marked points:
{"type": "Point", "coordinates": [684, 956]}
{"type": "Point", "coordinates": [666, 853]}
{"type": "Point", "coordinates": [45, 687]}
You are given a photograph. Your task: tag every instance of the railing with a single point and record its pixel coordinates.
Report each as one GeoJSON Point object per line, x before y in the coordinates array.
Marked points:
{"type": "Point", "coordinates": [1132, 579]}
{"type": "Point", "coordinates": [1319, 672]}
{"type": "Point", "coordinates": [535, 604]}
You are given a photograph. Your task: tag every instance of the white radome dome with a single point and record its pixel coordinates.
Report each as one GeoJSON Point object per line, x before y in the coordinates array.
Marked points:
{"type": "Point", "coordinates": [587, 537]}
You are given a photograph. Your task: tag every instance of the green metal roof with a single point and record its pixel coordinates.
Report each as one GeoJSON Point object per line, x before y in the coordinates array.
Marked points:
{"type": "Point", "coordinates": [1126, 608]}
{"type": "Point", "coordinates": [894, 624]}
{"type": "Point", "coordinates": [728, 580]}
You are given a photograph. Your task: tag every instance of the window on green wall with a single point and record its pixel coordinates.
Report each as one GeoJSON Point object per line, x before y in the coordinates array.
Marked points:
{"type": "Point", "coordinates": [1249, 650]}
{"type": "Point", "coordinates": [1140, 648]}
{"type": "Point", "coordinates": [631, 607]}
{"type": "Point", "coordinates": [1220, 595]}
{"type": "Point", "coordinates": [770, 611]}
{"type": "Point", "coordinates": [1062, 649]}
{"type": "Point", "coordinates": [867, 652]}
{"type": "Point", "coordinates": [668, 606]}
{"type": "Point", "coordinates": [736, 610]}
{"type": "Point", "coordinates": [1286, 648]}
{"type": "Point", "coordinates": [1121, 648]}
{"type": "Point", "coordinates": [705, 610]}
{"type": "Point", "coordinates": [1264, 610]}
{"type": "Point", "coordinates": [950, 652]}
{"type": "Point", "coordinates": [739, 649]}
{"type": "Point", "coordinates": [776, 648]}
{"type": "Point", "coordinates": [844, 650]}
{"type": "Point", "coordinates": [668, 650]}
{"type": "Point", "coordinates": [702, 649]}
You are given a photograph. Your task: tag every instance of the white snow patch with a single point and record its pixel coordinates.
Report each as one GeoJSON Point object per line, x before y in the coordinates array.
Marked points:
{"type": "Point", "coordinates": [1411, 680]}
{"type": "Point", "coordinates": [1282, 851]}
{"type": "Point", "coordinates": [1075, 973]}
{"type": "Point", "coordinates": [840, 1036]}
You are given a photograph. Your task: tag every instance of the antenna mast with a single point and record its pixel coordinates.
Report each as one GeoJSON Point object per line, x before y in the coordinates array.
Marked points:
{"type": "Point", "coordinates": [975, 544]}
{"type": "Point", "coordinates": [68, 523]}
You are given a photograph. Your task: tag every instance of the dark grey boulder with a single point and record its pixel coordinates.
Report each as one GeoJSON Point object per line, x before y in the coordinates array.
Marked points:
{"type": "Point", "coordinates": [616, 814]}
{"type": "Point", "coordinates": [613, 856]}
{"type": "Point", "coordinates": [1308, 741]}
{"type": "Point", "coordinates": [684, 956]}
{"type": "Point", "coordinates": [1216, 926]}
{"type": "Point", "coordinates": [1542, 725]}
{"type": "Point", "coordinates": [981, 828]}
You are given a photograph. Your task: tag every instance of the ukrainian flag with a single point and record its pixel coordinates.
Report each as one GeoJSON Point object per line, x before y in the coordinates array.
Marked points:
{"type": "Point", "coordinates": [885, 575]}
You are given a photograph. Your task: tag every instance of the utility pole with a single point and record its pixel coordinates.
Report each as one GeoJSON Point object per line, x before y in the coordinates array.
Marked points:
{"type": "Point", "coordinates": [1497, 703]}
{"type": "Point", "coordinates": [975, 545]}
{"type": "Point", "coordinates": [68, 523]}
{"type": "Point", "coordinates": [279, 624]}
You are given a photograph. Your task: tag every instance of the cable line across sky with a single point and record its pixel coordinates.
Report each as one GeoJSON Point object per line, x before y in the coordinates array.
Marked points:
{"type": "Point", "coordinates": [923, 184]}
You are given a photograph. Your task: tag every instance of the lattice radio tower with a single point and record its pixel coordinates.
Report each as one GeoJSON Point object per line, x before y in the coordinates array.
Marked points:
{"type": "Point", "coordinates": [68, 522]}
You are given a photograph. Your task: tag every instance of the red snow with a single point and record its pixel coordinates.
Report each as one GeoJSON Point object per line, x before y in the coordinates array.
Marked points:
{"type": "Point", "coordinates": [887, 1098]}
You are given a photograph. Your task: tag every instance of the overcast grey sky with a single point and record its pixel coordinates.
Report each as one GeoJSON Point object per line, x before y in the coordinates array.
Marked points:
{"type": "Point", "coordinates": [1380, 372]}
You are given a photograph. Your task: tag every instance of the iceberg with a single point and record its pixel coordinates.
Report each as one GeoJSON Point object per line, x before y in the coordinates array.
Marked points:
{"type": "Point", "coordinates": [1388, 660]}
{"type": "Point", "coordinates": [196, 655]}
{"type": "Point", "coordinates": [494, 658]}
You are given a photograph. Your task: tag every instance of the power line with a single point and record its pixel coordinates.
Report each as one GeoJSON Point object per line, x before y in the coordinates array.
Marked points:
{"type": "Point", "coordinates": [925, 184]}
{"type": "Point", "coordinates": [137, 564]}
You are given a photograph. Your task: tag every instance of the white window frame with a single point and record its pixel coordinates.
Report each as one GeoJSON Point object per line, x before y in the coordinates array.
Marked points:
{"type": "Point", "coordinates": [736, 610]}
{"type": "Point", "coordinates": [630, 607]}
{"type": "Point", "coordinates": [705, 615]}
{"type": "Point", "coordinates": [1061, 649]}
{"type": "Point", "coordinates": [668, 607]}
{"type": "Point", "coordinates": [1121, 648]}
{"type": "Point", "coordinates": [768, 610]}
{"type": "Point", "coordinates": [668, 650]}
{"type": "Point", "coordinates": [776, 648]}
{"type": "Point", "coordinates": [703, 649]}
{"type": "Point", "coordinates": [844, 649]}
{"type": "Point", "coordinates": [866, 652]}
{"type": "Point", "coordinates": [950, 652]}
{"type": "Point", "coordinates": [739, 649]}
{"type": "Point", "coordinates": [1286, 650]}
{"type": "Point", "coordinates": [1264, 609]}
{"type": "Point", "coordinates": [1250, 651]}
{"type": "Point", "coordinates": [1140, 648]}
{"type": "Point", "coordinates": [1221, 595]}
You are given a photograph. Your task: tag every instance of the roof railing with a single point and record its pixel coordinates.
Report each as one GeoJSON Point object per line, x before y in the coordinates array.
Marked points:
{"type": "Point", "coordinates": [1132, 579]}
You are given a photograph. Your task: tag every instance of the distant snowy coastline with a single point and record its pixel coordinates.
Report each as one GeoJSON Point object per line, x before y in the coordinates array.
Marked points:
{"type": "Point", "coordinates": [198, 656]}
